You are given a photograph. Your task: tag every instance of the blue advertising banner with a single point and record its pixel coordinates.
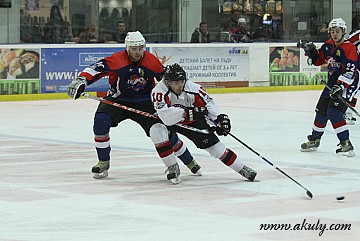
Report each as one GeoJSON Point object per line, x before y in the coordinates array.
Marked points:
{"type": "Point", "coordinates": [59, 66]}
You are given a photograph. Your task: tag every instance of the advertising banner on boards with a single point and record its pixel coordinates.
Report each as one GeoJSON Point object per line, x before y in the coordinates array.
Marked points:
{"type": "Point", "coordinates": [59, 66]}
{"type": "Point", "coordinates": [289, 66]}
{"type": "Point", "coordinates": [19, 71]}
{"type": "Point", "coordinates": [211, 66]}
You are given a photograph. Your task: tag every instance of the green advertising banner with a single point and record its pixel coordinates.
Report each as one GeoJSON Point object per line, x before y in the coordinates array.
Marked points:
{"type": "Point", "coordinates": [289, 66]}
{"type": "Point", "coordinates": [19, 71]}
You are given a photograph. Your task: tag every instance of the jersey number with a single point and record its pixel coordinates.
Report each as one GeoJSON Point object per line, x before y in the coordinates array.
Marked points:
{"type": "Point", "coordinates": [157, 97]}
{"type": "Point", "coordinates": [350, 67]}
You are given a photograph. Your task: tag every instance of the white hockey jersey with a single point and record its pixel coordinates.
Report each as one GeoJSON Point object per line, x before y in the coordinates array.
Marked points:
{"type": "Point", "coordinates": [171, 107]}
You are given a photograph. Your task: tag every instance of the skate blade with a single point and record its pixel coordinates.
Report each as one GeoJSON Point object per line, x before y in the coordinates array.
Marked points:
{"type": "Point", "coordinates": [255, 180]}
{"type": "Point", "coordinates": [175, 180]}
{"type": "Point", "coordinates": [247, 180]}
{"type": "Point", "coordinates": [309, 150]}
{"type": "Point", "coordinates": [101, 175]}
{"type": "Point", "coordinates": [198, 173]}
{"type": "Point", "coordinates": [350, 153]}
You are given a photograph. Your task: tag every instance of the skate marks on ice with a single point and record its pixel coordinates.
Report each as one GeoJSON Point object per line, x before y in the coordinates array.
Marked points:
{"type": "Point", "coordinates": [48, 192]}
{"type": "Point", "coordinates": [57, 197]}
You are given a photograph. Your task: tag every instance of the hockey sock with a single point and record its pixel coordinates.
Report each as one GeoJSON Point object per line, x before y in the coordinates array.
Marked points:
{"type": "Point", "coordinates": [166, 153]}
{"type": "Point", "coordinates": [319, 126]}
{"type": "Point", "coordinates": [229, 158]}
{"type": "Point", "coordinates": [101, 128]}
{"type": "Point", "coordinates": [181, 151]}
{"type": "Point", "coordinates": [339, 124]}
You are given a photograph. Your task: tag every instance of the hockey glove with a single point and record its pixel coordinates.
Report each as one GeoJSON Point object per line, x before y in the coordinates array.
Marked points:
{"type": "Point", "coordinates": [309, 47]}
{"type": "Point", "coordinates": [337, 90]}
{"type": "Point", "coordinates": [76, 87]}
{"type": "Point", "coordinates": [194, 113]}
{"type": "Point", "coordinates": [223, 127]}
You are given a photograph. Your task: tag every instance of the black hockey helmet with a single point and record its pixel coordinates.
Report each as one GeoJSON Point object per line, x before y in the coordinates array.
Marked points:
{"type": "Point", "coordinates": [174, 72]}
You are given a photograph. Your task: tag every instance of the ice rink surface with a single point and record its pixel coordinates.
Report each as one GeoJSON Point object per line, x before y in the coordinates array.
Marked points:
{"type": "Point", "coordinates": [47, 191]}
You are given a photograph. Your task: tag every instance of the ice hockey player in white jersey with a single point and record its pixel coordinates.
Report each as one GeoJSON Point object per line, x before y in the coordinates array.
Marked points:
{"type": "Point", "coordinates": [178, 100]}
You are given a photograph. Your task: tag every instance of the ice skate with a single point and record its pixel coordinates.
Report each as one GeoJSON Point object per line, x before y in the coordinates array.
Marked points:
{"type": "Point", "coordinates": [101, 169]}
{"type": "Point", "coordinates": [248, 173]}
{"type": "Point", "coordinates": [194, 167]}
{"type": "Point", "coordinates": [346, 149]}
{"type": "Point", "coordinates": [311, 145]}
{"type": "Point", "coordinates": [174, 173]}
{"type": "Point", "coordinates": [350, 120]}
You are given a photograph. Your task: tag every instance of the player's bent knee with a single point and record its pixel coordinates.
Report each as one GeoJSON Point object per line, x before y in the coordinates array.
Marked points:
{"type": "Point", "coordinates": [102, 123]}
{"type": "Point", "coordinates": [217, 150]}
{"type": "Point", "coordinates": [159, 133]}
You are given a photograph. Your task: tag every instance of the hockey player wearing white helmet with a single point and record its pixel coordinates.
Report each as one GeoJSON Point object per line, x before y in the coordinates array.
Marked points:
{"type": "Point", "coordinates": [337, 30]}
{"type": "Point", "coordinates": [241, 33]}
{"type": "Point", "coordinates": [132, 75]}
{"type": "Point", "coordinates": [135, 45]}
{"type": "Point", "coordinates": [343, 79]}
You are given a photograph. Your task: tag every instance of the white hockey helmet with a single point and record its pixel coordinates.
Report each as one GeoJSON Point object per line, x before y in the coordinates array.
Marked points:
{"type": "Point", "coordinates": [134, 39]}
{"type": "Point", "coordinates": [241, 21]}
{"type": "Point", "coordinates": [337, 23]}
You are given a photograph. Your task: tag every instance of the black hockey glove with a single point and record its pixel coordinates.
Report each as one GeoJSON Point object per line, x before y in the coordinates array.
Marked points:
{"type": "Point", "coordinates": [76, 87]}
{"type": "Point", "coordinates": [194, 113]}
{"type": "Point", "coordinates": [309, 47]}
{"type": "Point", "coordinates": [223, 125]}
{"type": "Point", "coordinates": [337, 90]}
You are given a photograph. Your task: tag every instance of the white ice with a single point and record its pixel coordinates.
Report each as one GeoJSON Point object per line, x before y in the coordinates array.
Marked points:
{"type": "Point", "coordinates": [47, 191]}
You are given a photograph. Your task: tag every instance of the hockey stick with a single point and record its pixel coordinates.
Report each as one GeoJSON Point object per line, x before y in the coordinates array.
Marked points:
{"type": "Point", "coordinates": [203, 131]}
{"type": "Point", "coordinates": [308, 193]}
{"type": "Point", "coordinates": [341, 99]}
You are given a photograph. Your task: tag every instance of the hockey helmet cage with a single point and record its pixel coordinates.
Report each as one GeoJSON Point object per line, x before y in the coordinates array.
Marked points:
{"type": "Point", "coordinates": [174, 72]}
{"type": "Point", "coordinates": [134, 39]}
{"type": "Point", "coordinates": [337, 23]}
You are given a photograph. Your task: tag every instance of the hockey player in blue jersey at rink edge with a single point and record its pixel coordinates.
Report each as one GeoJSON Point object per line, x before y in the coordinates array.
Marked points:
{"type": "Point", "coordinates": [132, 74]}
{"type": "Point", "coordinates": [354, 37]}
{"type": "Point", "coordinates": [343, 79]}
{"type": "Point", "coordinates": [178, 100]}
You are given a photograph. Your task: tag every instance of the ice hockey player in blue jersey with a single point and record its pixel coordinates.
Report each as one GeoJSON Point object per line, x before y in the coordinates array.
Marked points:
{"type": "Point", "coordinates": [354, 38]}
{"type": "Point", "coordinates": [343, 79]}
{"type": "Point", "coordinates": [132, 75]}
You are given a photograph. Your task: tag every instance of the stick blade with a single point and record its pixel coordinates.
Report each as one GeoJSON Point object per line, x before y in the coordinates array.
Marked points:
{"type": "Point", "coordinates": [309, 194]}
